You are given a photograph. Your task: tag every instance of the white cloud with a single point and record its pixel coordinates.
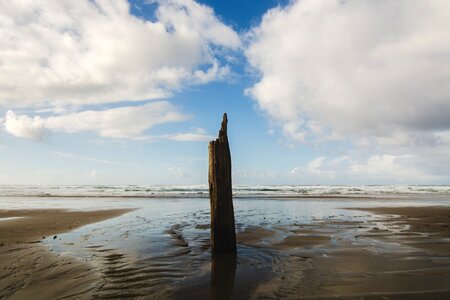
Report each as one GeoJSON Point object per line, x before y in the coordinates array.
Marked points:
{"type": "Point", "coordinates": [24, 126]}
{"type": "Point", "coordinates": [190, 15]}
{"type": "Point", "coordinates": [128, 122]}
{"type": "Point", "coordinates": [359, 68]}
{"type": "Point", "coordinates": [318, 167]}
{"type": "Point", "coordinates": [396, 168]}
{"type": "Point", "coordinates": [198, 136]}
{"type": "Point", "coordinates": [85, 52]}
{"type": "Point", "coordinates": [315, 164]}
{"type": "Point", "coordinates": [378, 169]}
{"type": "Point", "coordinates": [176, 171]}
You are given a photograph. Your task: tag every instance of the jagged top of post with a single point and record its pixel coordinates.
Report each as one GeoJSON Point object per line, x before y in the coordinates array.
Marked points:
{"type": "Point", "coordinates": [223, 131]}
{"type": "Point", "coordinates": [223, 127]}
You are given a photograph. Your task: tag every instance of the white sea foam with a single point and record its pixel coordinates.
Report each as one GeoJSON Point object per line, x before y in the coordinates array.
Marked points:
{"type": "Point", "coordinates": [10, 218]}
{"type": "Point", "coordinates": [202, 190]}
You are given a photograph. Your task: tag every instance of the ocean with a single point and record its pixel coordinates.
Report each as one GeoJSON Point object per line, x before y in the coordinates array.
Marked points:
{"type": "Point", "coordinates": [201, 191]}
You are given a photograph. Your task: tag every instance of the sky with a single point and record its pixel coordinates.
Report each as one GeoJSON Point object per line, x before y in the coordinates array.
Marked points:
{"type": "Point", "coordinates": [316, 91]}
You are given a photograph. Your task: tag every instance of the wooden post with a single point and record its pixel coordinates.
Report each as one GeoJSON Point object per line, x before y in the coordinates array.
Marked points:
{"type": "Point", "coordinates": [223, 234]}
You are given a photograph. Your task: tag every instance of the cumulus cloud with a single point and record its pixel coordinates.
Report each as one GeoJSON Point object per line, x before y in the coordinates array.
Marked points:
{"type": "Point", "coordinates": [378, 169]}
{"type": "Point", "coordinates": [57, 56]}
{"type": "Point", "coordinates": [401, 167]}
{"type": "Point", "coordinates": [128, 122]}
{"type": "Point", "coordinates": [375, 69]}
{"type": "Point", "coordinates": [85, 52]}
{"type": "Point", "coordinates": [318, 167]}
{"type": "Point", "coordinates": [24, 126]}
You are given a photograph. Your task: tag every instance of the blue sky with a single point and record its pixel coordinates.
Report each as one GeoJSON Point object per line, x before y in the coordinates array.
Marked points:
{"type": "Point", "coordinates": [317, 92]}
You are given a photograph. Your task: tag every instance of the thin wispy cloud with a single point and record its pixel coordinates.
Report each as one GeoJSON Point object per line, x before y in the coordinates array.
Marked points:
{"type": "Point", "coordinates": [87, 158]}
{"type": "Point", "coordinates": [198, 135]}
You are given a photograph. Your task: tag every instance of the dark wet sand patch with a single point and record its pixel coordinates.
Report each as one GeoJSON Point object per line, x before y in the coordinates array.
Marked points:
{"type": "Point", "coordinates": [29, 270]}
{"type": "Point", "coordinates": [254, 235]}
{"type": "Point", "coordinates": [428, 227]}
{"type": "Point", "coordinates": [403, 255]}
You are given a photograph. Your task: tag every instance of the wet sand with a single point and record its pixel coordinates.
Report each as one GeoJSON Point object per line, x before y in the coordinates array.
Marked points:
{"type": "Point", "coordinates": [398, 253]}
{"type": "Point", "coordinates": [404, 253]}
{"type": "Point", "coordinates": [429, 227]}
{"type": "Point", "coordinates": [29, 270]}
{"type": "Point", "coordinates": [383, 253]}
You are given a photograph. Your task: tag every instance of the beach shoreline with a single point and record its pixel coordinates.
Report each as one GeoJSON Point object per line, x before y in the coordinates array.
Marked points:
{"type": "Point", "coordinates": [394, 252]}
{"type": "Point", "coordinates": [29, 269]}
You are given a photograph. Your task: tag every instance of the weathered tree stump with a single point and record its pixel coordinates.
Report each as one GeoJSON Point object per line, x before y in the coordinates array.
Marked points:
{"type": "Point", "coordinates": [223, 234]}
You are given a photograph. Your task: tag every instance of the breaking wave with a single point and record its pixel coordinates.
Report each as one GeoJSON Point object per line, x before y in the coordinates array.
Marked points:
{"type": "Point", "coordinates": [200, 191]}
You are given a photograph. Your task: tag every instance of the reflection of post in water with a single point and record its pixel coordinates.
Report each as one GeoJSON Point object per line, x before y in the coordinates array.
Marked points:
{"type": "Point", "coordinates": [223, 271]}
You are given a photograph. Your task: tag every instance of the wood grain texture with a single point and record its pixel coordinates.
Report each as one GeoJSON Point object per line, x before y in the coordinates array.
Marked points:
{"type": "Point", "coordinates": [223, 234]}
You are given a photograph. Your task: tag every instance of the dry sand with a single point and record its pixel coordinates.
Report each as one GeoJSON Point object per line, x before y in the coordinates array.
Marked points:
{"type": "Point", "coordinates": [399, 253]}
{"type": "Point", "coordinates": [29, 270]}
